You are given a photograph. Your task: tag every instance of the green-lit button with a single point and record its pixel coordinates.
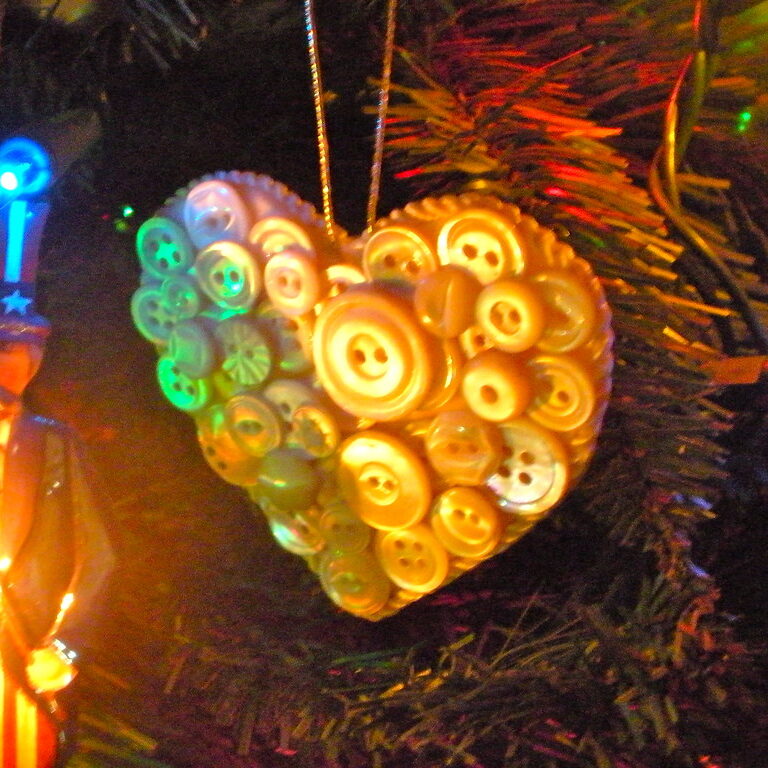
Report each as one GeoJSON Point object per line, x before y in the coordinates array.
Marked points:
{"type": "Point", "coordinates": [163, 247]}
{"type": "Point", "coordinates": [184, 392]}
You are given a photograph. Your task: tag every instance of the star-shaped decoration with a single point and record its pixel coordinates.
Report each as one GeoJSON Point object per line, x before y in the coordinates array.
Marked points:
{"type": "Point", "coordinates": [15, 302]}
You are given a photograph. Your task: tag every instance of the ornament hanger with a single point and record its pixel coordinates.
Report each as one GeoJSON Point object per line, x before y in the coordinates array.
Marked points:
{"type": "Point", "coordinates": [322, 133]}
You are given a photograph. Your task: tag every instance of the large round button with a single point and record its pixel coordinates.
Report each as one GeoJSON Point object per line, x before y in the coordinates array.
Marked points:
{"type": "Point", "coordinates": [181, 296]}
{"type": "Point", "coordinates": [571, 314]}
{"type": "Point", "coordinates": [495, 387]}
{"type": "Point", "coordinates": [192, 348]}
{"type": "Point", "coordinates": [413, 558]}
{"type": "Point", "coordinates": [287, 481]}
{"type": "Point", "coordinates": [253, 423]}
{"type": "Point", "coordinates": [445, 299]}
{"type": "Point", "coordinates": [221, 452]}
{"type": "Point", "coordinates": [289, 339]}
{"type": "Point", "coordinates": [462, 447]}
{"type": "Point", "coordinates": [152, 318]}
{"type": "Point", "coordinates": [246, 355]}
{"type": "Point", "coordinates": [295, 530]}
{"type": "Point", "coordinates": [355, 582]}
{"type": "Point", "coordinates": [314, 431]}
{"type": "Point", "coordinates": [293, 282]}
{"type": "Point", "coordinates": [511, 313]}
{"type": "Point", "coordinates": [465, 522]}
{"type": "Point", "coordinates": [370, 355]}
{"type": "Point", "coordinates": [383, 480]}
{"type": "Point", "coordinates": [398, 254]}
{"type": "Point", "coordinates": [343, 530]}
{"type": "Point", "coordinates": [274, 234]}
{"type": "Point", "coordinates": [184, 392]}
{"type": "Point", "coordinates": [228, 274]}
{"type": "Point", "coordinates": [563, 393]}
{"type": "Point", "coordinates": [288, 395]}
{"type": "Point", "coordinates": [163, 247]}
{"type": "Point", "coordinates": [214, 210]}
{"type": "Point", "coordinates": [482, 241]}
{"type": "Point", "coordinates": [534, 471]}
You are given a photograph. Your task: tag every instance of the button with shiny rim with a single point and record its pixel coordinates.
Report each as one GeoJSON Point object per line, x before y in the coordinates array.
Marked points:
{"type": "Point", "coordinates": [413, 558]}
{"type": "Point", "coordinates": [246, 356]}
{"type": "Point", "coordinates": [253, 423]}
{"type": "Point", "coordinates": [355, 582]}
{"type": "Point", "coordinates": [275, 233]}
{"type": "Point", "coordinates": [563, 393]}
{"type": "Point", "coordinates": [383, 480]}
{"type": "Point", "coordinates": [481, 241]}
{"type": "Point", "coordinates": [228, 274]}
{"type": "Point", "coordinates": [444, 301]}
{"type": "Point", "coordinates": [511, 313]}
{"type": "Point", "coordinates": [398, 254]}
{"type": "Point", "coordinates": [163, 247]}
{"type": "Point", "coordinates": [495, 386]}
{"type": "Point", "coordinates": [463, 448]}
{"type": "Point", "coordinates": [534, 471]}
{"type": "Point", "coordinates": [571, 314]}
{"type": "Point", "coordinates": [214, 210]}
{"type": "Point", "coordinates": [465, 522]}
{"type": "Point", "coordinates": [293, 282]}
{"type": "Point", "coordinates": [371, 357]}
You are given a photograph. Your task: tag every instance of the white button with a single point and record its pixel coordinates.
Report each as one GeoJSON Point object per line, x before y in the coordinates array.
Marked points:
{"type": "Point", "coordinates": [214, 210]}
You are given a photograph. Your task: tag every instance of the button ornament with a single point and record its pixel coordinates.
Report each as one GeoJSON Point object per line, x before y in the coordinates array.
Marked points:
{"type": "Point", "coordinates": [402, 405]}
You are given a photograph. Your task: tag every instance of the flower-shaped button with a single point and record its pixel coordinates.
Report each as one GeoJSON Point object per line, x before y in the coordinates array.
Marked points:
{"type": "Point", "coordinates": [383, 480]}
{"type": "Point", "coordinates": [511, 313]}
{"type": "Point", "coordinates": [398, 254]}
{"type": "Point", "coordinates": [495, 386]}
{"type": "Point", "coordinates": [564, 394]}
{"type": "Point", "coordinates": [164, 247]}
{"type": "Point", "coordinates": [445, 299]}
{"type": "Point", "coordinates": [413, 558]}
{"type": "Point", "coordinates": [214, 210]}
{"type": "Point", "coordinates": [293, 282]}
{"type": "Point", "coordinates": [246, 355]}
{"type": "Point", "coordinates": [482, 241]}
{"type": "Point", "coordinates": [534, 472]}
{"type": "Point", "coordinates": [254, 423]}
{"type": "Point", "coordinates": [228, 274]}
{"type": "Point", "coordinates": [465, 522]}
{"type": "Point", "coordinates": [184, 392]}
{"type": "Point", "coordinates": [355, 581]}
{"type": "Point", "coordinates": [371, 356]}
{"type": "Point", "coordinates": [463, 448]}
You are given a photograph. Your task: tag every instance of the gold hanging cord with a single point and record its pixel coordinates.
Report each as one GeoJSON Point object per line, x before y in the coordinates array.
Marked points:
{"type": "Point", "coordinates": [322, 132]}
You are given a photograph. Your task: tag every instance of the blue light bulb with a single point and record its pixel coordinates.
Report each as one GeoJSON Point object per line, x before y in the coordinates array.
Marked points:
{"type": "Point", "coordinates": [25, 168]}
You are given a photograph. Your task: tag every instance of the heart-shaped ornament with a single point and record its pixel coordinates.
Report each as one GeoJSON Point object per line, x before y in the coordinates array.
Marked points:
{"type": "Point", "coordinates": [402, 405]}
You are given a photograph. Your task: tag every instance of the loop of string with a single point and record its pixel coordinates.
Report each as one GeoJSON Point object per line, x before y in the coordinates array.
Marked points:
{"type": "Point", "coordinates": [320, 122]}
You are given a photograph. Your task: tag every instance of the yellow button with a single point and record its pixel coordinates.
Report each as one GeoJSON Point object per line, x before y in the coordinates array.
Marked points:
{"type": "Point", "coordinates": [246, 356]}
{"type": "Point", "coordinates": [295, 530]}
{"type": "Point", "coordinates": [228, 274]}
{"type": "Point", "coordinates": [214, 210]}
{"type": "Point", "coordinates": [313, 431]}
{"type": "Point", "coordinates": [465, 522]}
{"type": "Point", "coordinates": [398, 254]}
{"type": "Point", "coordinates": [462, 447]}
{"type": "Point", "coordinates": [511, 313]}
{"type": "Point", "coordinates": [289, 338]}
{"type": "Point", "coordinates": [355, 582]}
{"type": "Point", "coordinates": [564, 394]}
{"type": "Point", "coordinates": [341, 276]}
{"type": "Point", "coordinates": [274, 234]}
{"type": "Point", "coordinates": [534, 473]}
{"type": "Point", "coordinates": [383, 480]}
{"type": "Point", "coordinates": [221, 451]}
{"type": "Point", "coordinates": [164, 248]}
{"type": "Point", "coordinates": [475, 340]}
{"type": "Point", "coordinates": [293, 282]}
{"type": "Point", "coordinates": [444, 301]}
{"type": "Point", "coordinates": [370, 355]}
{"type": "Point", "coordinates": [571, 312]}
{"type": "Point", "coordinates": [446, 383]}
{"type": "Point", "coordinates": [343, 530]}
{"type": "Point", "coordinates": [254, 423]}
{"type": "Point", "coordinates": [413, 558]}
{"type": "Point", "coordinates": [495, 387]}
{"type": "Point", "coordinates": [482, 241]}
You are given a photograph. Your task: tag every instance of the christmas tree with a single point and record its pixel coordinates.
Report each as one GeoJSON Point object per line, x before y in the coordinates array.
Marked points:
{"type": "Point", "coordinates": [626, 629]}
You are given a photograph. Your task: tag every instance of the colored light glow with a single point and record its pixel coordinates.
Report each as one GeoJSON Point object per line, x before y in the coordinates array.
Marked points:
{"type": "Point", "coordinates": [743, 121]}
{"type": "Point", "coordinates": [14, 252]}
{"type": "Point", "coordinates": [127, 211]}
{"type": "Point", "coordinates": [9, 181]}
{"type": "Point", "coordinates": [25, 167]}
